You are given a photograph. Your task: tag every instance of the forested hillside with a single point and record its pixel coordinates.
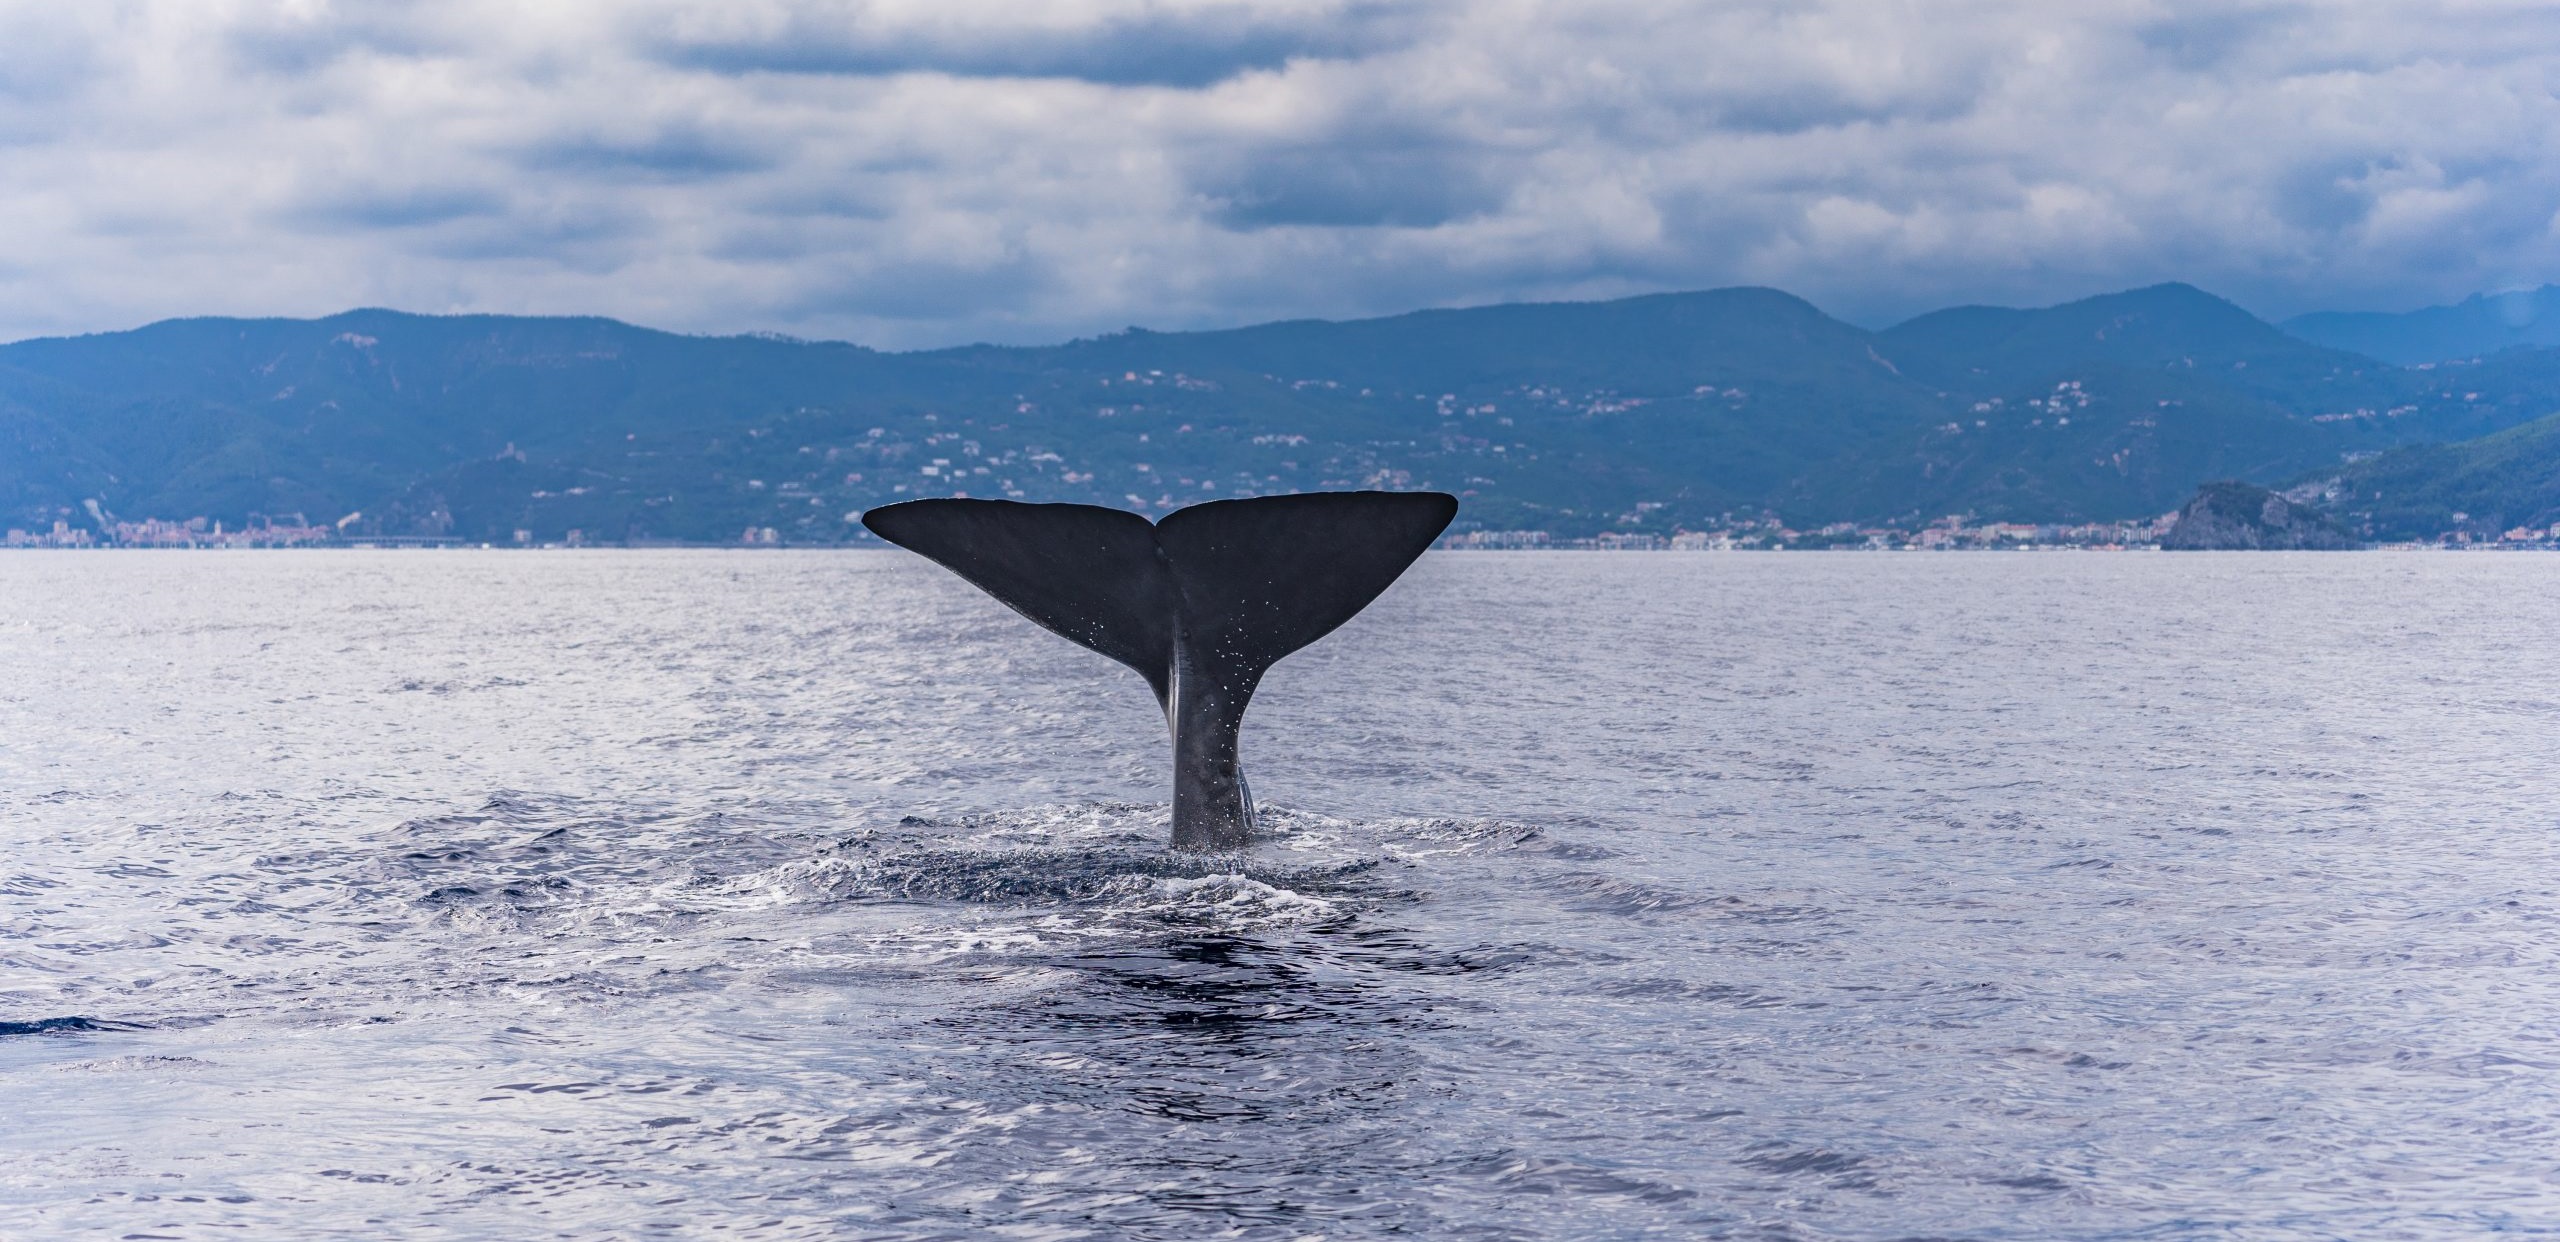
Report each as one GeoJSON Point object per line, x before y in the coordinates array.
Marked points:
{"type": "Point", "coordinates": [1646, 414]}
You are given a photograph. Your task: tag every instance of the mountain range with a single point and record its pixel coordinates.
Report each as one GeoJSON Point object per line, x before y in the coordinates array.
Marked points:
{"type": "Point", "coordinates": [1648, 414]}
{"type": "Point", "coordinates": [2475, 327]}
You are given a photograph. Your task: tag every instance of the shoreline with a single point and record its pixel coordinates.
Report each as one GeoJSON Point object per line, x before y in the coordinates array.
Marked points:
{"type": "Point", "coordinates": [424, 546]}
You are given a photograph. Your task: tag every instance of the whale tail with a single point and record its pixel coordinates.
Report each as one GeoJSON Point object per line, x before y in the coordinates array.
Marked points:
{"type": "Point", "coordinates": [1201, 604]}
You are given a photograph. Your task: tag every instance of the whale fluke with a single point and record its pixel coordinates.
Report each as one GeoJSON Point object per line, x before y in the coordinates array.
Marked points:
{"type": "Point", "coordinates": [1200, 603]}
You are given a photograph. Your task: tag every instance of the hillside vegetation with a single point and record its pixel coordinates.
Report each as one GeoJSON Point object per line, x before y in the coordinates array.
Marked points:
{"type": "Point", "coordinates": [2475, 489]}
{"type": "Point", "coordinates": [1644, 414]}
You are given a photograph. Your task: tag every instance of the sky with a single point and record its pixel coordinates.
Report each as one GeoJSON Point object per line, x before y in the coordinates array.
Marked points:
{"type": "Point", "coordinates": [912, 173]}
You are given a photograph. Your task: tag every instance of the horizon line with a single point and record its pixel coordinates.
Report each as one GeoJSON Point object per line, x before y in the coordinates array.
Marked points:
{"type": "Point", "coordinates": [1139, 330]}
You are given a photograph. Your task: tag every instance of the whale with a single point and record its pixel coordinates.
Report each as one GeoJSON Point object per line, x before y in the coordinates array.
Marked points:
{"type": "Point", "coordinates": [1201, 602]}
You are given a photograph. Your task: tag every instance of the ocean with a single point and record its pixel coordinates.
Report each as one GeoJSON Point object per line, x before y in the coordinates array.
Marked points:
{"type": "Point", "coordinates": [779, 895]}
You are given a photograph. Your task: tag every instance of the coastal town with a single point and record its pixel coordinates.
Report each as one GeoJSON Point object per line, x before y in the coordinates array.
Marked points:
{"type": "Point", "coordinates": [1953, 533]}
{"type": "Point", "coordinates": [1949, 534]}
{"type": "Point", "coordinates": [194, 532]}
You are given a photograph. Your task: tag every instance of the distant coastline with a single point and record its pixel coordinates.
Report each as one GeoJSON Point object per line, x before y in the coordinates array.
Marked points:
{"type": "Point", "coordinates": [1734, 418]}
{"type": "Point", "coordinates": [1953, 533]}
{"type": "Point", "coordinates": [1990, 537]}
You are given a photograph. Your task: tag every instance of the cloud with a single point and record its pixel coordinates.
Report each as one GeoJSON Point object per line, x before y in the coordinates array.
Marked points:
{"type": "Point", "coordinates": [46, 53]}
{"type": "Point", "coordinates": [368, 209]}
{"type": "Point", "coordinates": [677, 153]}
{"type": "Point", "coordinates": [1151, 45]}
{"type": "Point", "coordinates": [923, 172]}
{"type": "Point", "coordinates": [1364, 179]}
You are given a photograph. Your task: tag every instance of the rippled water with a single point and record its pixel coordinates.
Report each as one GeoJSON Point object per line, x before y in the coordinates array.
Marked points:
{"type": "Point", "coordinates": [800, 896]}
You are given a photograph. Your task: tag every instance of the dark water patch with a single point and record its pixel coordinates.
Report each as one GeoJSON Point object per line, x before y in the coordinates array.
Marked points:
{"type": "Point", "coordinates": [1925, 991]}
{"type": "Point", "coordinates": [1785, 1161]}
{"type": "Point", "coordinates": [523, 856]}
{"type": "Point", "coordinates": [67, 1026]}
{"type": "Point", "coordinates": [1555, 1176]}
{"type": "Point", "coordinates": [1596, 893]}
{"type": "Point", "coordinates": [1219, 987]}
{"type": "Point", "coordinates": [1400, 951]}
{"type": "Point", "coordinates": [421, 685]}
{"type": "Point", "coordinates": [541, 891]}
{"type": "Point", "coordinates": [1601, 893]}
{"type": "Point", "coordinates": [1687, 992]}
{"type": "Point", "coordinates": [2069, 1060]}
{"type": "Point", "coordinates": [2038, 1182]}
{"type": "Point", "coordinates": [1249, 1086]}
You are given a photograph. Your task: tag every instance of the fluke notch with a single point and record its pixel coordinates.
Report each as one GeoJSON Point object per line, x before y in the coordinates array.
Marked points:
{"type": "Point", "coordinates": [1200, 603]}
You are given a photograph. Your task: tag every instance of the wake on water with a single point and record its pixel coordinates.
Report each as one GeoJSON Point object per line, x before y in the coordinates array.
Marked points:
{"type": "Point", "coordinates": [528, 878]}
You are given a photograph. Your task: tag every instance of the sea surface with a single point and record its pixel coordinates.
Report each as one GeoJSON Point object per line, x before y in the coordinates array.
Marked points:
{"type": "Point", "coordinates": [593, 894]}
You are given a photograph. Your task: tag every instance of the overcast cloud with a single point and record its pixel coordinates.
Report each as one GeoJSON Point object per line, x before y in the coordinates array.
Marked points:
{"type": "Point", "coordinates": [922, 172]}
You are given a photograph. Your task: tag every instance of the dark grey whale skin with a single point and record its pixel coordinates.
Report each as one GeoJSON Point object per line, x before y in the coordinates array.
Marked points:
{"type": "Point", "coordinates": [1201, 603]}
